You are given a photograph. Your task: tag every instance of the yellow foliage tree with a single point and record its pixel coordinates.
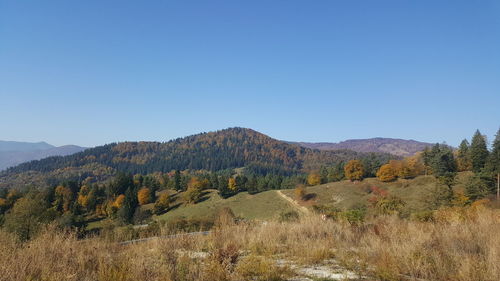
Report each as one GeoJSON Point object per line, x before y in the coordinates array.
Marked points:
{"type": "Point", "coordinates": [195, 183]}
{"type": "Point", "coordinates": [300, 192]}
{"type": "Point", "coordinates": [313, 179]}
{"type": "Point", "coordinates": [82, 198]}
{"type": "Point", "coordinates": [144, 196]}
{"type": "Point", "coordinates": [354, 170]}
{"type": "Point", "coordinates": [162, 204]}
{"type": "Point", "coordinates": [231, 184]}
{"type": "Point", "coordinates": [63, 198]}
{"type": "Point", "coordinates": [386, 173]}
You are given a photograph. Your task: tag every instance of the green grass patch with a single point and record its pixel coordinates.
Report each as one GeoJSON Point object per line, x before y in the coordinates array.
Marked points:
{"type": "Point", "coordinates": [261, 206]}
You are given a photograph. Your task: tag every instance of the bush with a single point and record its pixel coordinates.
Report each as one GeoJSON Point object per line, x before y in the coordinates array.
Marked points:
{"type": "Point", "coordinates": [289, 216]}
{"type": "Point", "coordinates": [353, 216]}
{"type": "Point", "coordinates": [189, 225]}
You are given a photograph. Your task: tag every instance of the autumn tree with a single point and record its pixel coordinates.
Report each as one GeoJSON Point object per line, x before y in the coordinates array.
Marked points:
{"type": "Point", "coordinates": [144, 196]}
{"type": "Point", "coordinates": [82, 197]}
{"type": "Point", "coordinates": [26, 216]}
{"type": "Point", "coordinates": [478, 152]}
{"type": "Point", "coordinates": [231, 184]}
{"type": "Point", "coordinates": [313, 179]}
{"type": "Point", "coordinates": [63, 198]}
{"type": "Point", "coordinates": [192, 195]}
{"type": "Point", "coordinates": [386, 173]}
{"type": "Point", "coordinates": [118, 203]}
{"type": "Point", "coordinates": [354, 170]}
{"type": "Point", "coordinates": [162, 204]}
{"type": "Point", "coordinates": [193, 192]}
{"type": "Point", "coordinates": [300, 192]}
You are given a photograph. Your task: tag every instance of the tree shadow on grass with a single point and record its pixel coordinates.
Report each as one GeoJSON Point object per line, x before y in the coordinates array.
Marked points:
{"type": "Point", "coordinates": [310, 196]}
{"type": "Point", "coordinates": [203, 197]}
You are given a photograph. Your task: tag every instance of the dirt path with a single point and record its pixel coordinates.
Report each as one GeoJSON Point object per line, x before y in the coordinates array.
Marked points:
{"type": "Point", "coordinates": [301, 209]}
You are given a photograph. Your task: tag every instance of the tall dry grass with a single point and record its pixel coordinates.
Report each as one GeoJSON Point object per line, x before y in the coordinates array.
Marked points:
{"type": "Point", "coordinates": [458, 244]}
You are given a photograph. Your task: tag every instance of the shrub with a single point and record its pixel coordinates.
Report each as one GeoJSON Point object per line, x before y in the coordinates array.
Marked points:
{"type": "Point", "coordinates": [300, 192]}
{"type": "Point", "coordinates": [289, 216]}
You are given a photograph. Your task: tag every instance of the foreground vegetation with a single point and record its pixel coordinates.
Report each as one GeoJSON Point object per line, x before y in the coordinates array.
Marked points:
{"type": "Point", "coordinates": [452, 244]}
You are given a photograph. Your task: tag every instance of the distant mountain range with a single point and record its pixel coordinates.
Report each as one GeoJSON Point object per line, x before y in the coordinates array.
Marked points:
{"type": "Point", "coordinates": [13, 153]}
{"type": "Point", "coordinates": [214, 151]}
{"type": "Point", "coordinates": [399, 147]}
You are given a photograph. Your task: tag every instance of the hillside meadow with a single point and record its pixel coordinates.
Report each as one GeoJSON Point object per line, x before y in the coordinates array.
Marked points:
{"type": "Point", "coordinates": [457, 244]}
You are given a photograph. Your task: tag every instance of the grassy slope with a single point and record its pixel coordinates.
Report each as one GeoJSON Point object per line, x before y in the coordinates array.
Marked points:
{"type": "Point", "coordinates": [269, 204]}
{"type": "Point", "coordinates": [265, 205]}
{"type": "Point", "coordinates": [346, 194]}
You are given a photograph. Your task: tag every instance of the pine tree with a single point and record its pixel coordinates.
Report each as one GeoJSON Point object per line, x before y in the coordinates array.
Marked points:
{"type": "Point", "coordinates": [464, 162]}
{"type": "Point", "coordinates": [494, 161]}
{"type": "Point", "coordinates": [126, 212]}
{"type": "Point", "coordinates": [478, 152]}
{"type": "Point", "coordinates": [177, 180]}
{"type": "Point", "coordinates": [440, 160]}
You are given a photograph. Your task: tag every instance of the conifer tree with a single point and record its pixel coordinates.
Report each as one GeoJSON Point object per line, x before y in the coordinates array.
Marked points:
{"type": "Point", "coordinates": [494, 161]}
{"type": "Point", "coordinates": [478, 152]}
{"type": "Point", "coordinates": [130, 203]}
{"type": "Point", "coordinates": [177, 180]}
{"type": "Point", "coordinates": [463, 157]}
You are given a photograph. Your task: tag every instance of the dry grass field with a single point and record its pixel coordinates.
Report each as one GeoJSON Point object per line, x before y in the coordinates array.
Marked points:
{"type": "Point", "coordinates": [457, 244]}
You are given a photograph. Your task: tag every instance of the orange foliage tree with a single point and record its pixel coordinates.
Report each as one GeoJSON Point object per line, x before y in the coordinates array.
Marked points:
{"type": "Point", "coordinates": [386, 173]}
{"type": "Point", "coordinates": [119, 201]}
{"type": "Point", "coordinates": [144, 196]}
{"type": "Point", "coordinates": [354, 170]}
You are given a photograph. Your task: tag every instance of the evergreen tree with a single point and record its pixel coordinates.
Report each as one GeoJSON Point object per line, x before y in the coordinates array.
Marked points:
{"type": "Point", "coordinates": [477, 187]}
{"type": "Point", "coordinates": [478, 152]}
{"type": "Point", "coordinates": [493, 165]}
{"type": "Point", "coordinates": [464, 162]}
{"type": "Point", "coordinates": [440, 160]}
{"type": "Point", "coordinates": [126, 212]}
{"type": "Point", "coordinates": [177, 180]}
{"type": "Point", "coordinates": [323, 172]}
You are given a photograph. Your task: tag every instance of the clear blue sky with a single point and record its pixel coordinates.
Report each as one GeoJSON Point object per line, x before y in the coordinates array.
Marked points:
{"type": "Point", "coordinates": [93, 72]}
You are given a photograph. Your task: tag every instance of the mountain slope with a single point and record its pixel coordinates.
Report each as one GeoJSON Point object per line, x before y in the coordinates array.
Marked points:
{"type": "Point", "coordinates": [14, 153]}
{"type": "Point", "coordinates": [213, 151]}
{"type": "Point", "coordinates": [399, 147]}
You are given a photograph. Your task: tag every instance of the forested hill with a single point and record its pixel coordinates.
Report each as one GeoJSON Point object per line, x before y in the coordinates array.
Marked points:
{"type": "Point", "coordinates": [398, 147]}
{"type": "Point", "coordinates": [213, 151]}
